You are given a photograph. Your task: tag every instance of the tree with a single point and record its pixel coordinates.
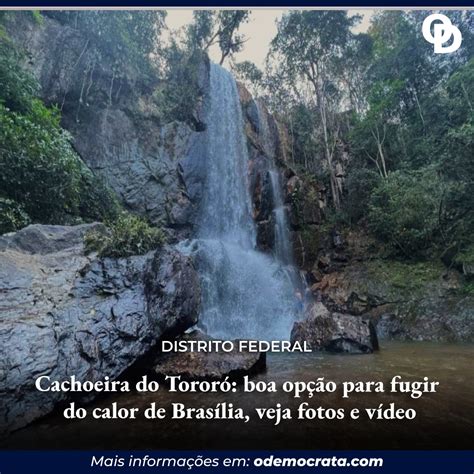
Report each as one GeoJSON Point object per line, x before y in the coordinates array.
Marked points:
{"type": "Point", "coordinates": [457, 165]}
{"type": "Point", "coordinates": [248, 73]}
{"type": "Point", "coordinates": [372, 131]}
{"type": "Point", "coordinates": [310, 46]}
{"type": "Point", "coordinates": [129, 36]}
{"type": "Point", "coordinates": [404, 210]}
{"type": "Point", "coordinates": [42, 179]}
{"type": "Point", "coordinates": [218, 27]}
{"type": "Point", "coordinates": [354, 67]}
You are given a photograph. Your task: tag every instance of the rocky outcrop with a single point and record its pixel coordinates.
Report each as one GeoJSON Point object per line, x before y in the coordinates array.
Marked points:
{"type": "Point", "coordinates": [335, 332]}
{"type": "Point", "coordinates": [173, 292]}
{"type": "Point", "coordinates": [114, 120]}
{"type": "Point", "coordinates": [214, 365]}
{"type": "Point", "coordinates": [404, 300]}
{"type": "Point", "coordinates": [304, 198]}
{"type": "Point", "coordinates": [265, 152]}
{"type": "Point", "coordinates": [157, 169]}
{"type": "Point", "coordinates": [65, 313]}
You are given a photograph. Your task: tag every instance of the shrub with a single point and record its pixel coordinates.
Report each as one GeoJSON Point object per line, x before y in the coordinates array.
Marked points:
{"type": "Point", "coordinates": [127, 235]}
{"type": "Point", "coordinates": [12, 216]}
{"type": "Point", "coordinates": [178, 94]}
{"type": "Point", "coordinates": [465, 260]}
{"type": "Point", "coordinates": [129, 37]}
{"type": "Point", "coordinates": [97, 201]}
{"type": "Point", "coordinates": [39, 169]}
{"type": "Point", "coordinates": [360, 184]}
{"type": "Point", "coordinates": [18, 87]}
{"type": "Point", "coordinates": [404, 210]}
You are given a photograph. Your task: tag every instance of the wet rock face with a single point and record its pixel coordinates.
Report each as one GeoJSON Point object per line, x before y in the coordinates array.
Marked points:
{"type": "Point", "coordinates": [303, 198]}
{"type": "Point", "coordinates": [63, 313]}
{"type": "Point", "coordinates": [335, 332]}
{"type": "Point", "coordinates": [173, 292]}
{"type": "Point", "coordinates": [209, 365]}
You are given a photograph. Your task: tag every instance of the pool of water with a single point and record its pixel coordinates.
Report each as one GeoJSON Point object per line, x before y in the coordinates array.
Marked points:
{"type": "Point", "coordinates": [444, 419]}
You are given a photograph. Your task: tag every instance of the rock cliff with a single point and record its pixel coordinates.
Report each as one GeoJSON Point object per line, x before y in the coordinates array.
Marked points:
{"type": "Point", "coordinates": [114, 120]}
{"type": "Point", "coordinates": [405, 300]}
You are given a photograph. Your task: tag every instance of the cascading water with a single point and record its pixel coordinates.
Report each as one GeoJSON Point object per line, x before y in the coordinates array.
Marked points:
{"type": "Point", "coordinates": [226, 207]}
{"type": "Point", "coordinates": [282, 246]}
{"type": "Point", "coordinates": [245, 293]}
{"type": "Point", "coordinates": [283, 250]}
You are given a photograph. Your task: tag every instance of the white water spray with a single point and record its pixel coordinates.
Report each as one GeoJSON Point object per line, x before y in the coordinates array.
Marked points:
{"type": "Point", "coordinates": [246, 294]}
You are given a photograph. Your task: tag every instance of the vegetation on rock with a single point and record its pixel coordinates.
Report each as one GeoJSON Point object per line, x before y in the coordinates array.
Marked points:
{"type": "Point", "coordinates": [127, 235]}
{"type": "Point", "coordinates": [42, 177]}
{"type": "Point", "coordinates": [12, 216]}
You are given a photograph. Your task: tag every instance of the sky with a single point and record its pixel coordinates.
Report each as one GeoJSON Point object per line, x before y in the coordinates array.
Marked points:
{"type": "Point", "coordinates": [260, 30]}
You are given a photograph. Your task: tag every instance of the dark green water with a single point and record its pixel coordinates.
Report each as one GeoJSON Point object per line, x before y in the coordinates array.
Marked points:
{"type": "Point", "coordinates": [444, 419]}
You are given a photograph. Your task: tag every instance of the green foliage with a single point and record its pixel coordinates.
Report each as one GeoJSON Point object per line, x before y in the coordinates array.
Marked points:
{"type": "Point", "coordinates": [457, 164]}
{"type": "Point", "coordinates": [127, 235]}
{"type": "Point", "coordinates": [304, 133]}
{"type": "Point", "coordinates": [404, 210]}
{"type": "Point", "coordinates": [130, 37]}
{"type": "Point", "coordinates": [217, 27]}
{"type": "Point", "coordinates": [309, 37]}
{"type": "Point", "coordinates": [37, 17]}
{"type": "Point", "coordinates": [17, 87]}
{"type": "Point", "coordinates": [467, 288]}
{"type": "Point", "coordinates": [178, 94]}
{"type": "Point", "coordinates": [464, 260]}
{"type": "Point", "coordinates": [12, 216]}
{"type": "Point", "coordinates": [39, 169]}
{"type": "Point", "coordinates": [250, 75]}
{"type": "Point", "coordinates": [230, 41]}
{"type": "Point", "coordinates": [419, 117]}
{"type": "Point", "coordinates": [405, 276]}
{"type": "Point", "coordinates": [360, 185]}
{"type": "Point", "coordinates": [97, 202]}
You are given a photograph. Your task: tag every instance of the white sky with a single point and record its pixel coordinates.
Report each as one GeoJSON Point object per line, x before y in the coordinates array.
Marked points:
{"type": "Point", "coordinates": [259, 31]}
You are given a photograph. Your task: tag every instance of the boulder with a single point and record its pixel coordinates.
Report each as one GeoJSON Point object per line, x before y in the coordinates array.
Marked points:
{"type": "Point", "coordinates": [335, 332]}
{"type": "Point", "coordinates": [65, 313]}
{"type": "Point", "coordinates": [418, 301]}
{"type": "Point", "coordinates": [209, 365]}
{"type": "Point", "coordinates": [44, 239]}
{"type": "Point", "coordinates": [173, 292]}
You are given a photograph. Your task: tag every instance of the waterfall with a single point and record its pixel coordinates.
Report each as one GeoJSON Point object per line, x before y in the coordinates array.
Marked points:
{"type": "Point", "coordinates": [226, 207]}
{"type": "Point", "coordinates": [282, 245]}
{"type": "Point", "coordinates": [245, 293]}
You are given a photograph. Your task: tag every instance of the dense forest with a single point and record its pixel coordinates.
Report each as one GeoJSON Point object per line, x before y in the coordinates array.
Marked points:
{"type": "Point", "coordinates": [385, 124]}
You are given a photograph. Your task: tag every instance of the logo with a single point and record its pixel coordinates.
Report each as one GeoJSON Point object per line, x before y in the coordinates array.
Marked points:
{"type": "Point", "coordinates": [442, 33]}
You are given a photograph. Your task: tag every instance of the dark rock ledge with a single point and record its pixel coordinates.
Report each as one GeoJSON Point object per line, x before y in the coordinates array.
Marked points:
{"type": "Point", "coordinates": [335, 332]}
{"type": "Point", "coordinates": [63, 313]}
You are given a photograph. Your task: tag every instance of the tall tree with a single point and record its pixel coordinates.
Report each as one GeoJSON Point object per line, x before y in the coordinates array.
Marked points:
{"type": "Point", "coordinates": [309, 45]}
{"type": "Point", "coordinates": [218, 27]}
